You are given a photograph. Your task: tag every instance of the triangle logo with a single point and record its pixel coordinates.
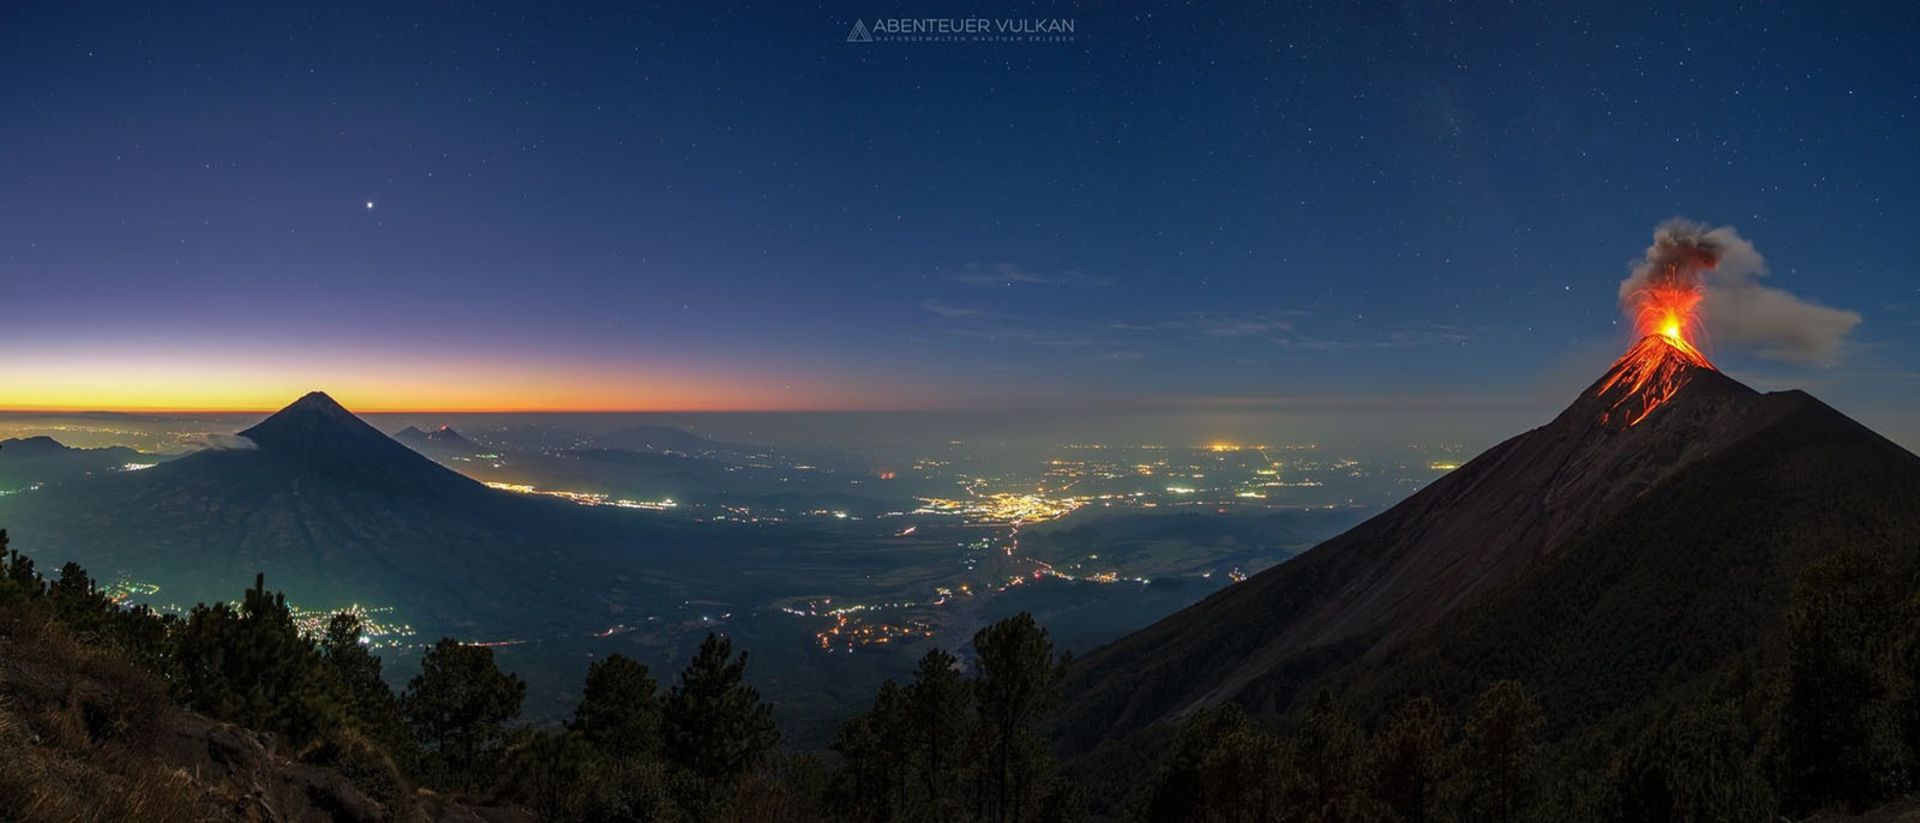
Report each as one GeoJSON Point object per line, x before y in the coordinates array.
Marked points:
{"type": "Point", "coordinates": [859, 33]}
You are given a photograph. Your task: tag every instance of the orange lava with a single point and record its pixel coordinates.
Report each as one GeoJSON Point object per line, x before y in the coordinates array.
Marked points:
{"type": "Point", "coordinates": [1664, 314]}
{"type": "Point", "coordinates": [1668, 311]}
{"type": "Point", "coordinates": [1649, 375]}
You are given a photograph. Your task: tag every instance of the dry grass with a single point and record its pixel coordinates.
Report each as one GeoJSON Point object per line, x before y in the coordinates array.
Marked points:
{"type": "Point", "coordinates": [75, 725]}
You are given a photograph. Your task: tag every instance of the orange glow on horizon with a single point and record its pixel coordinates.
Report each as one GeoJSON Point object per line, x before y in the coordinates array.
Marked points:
{"type": "Point", "coordinates": [213, 385]}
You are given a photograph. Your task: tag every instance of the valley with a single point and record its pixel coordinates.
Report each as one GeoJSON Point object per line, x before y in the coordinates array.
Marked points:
{"type": "Point", "coordinates": [838, 569]}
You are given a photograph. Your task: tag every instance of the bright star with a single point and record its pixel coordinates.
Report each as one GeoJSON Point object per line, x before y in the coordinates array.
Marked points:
{"type": "Point", "coordinates": [369, 204]}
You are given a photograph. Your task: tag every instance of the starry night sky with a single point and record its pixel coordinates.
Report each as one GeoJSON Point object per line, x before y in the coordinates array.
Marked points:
{"type": "Point", "coordinates": [641, 206]}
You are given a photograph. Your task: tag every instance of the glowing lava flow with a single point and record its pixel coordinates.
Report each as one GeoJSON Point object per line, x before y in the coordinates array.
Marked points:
{"type": "Point", "coordinates": [1649, 375]}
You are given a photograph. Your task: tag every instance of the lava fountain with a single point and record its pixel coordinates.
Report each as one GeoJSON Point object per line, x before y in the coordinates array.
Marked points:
{"type": "Point", "coordinates": [1662, 299]}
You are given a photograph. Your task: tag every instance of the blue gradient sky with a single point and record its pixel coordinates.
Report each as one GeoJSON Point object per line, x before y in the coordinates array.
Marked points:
{"type": "Point", "coordinates": [643, 206]}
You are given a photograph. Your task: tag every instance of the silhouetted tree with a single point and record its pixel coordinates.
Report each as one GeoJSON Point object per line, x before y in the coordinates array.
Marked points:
{"type": "Point", "coordinates": [1413, 764]}
{"type": "Point", "coordinates": [25, 581]}
{"type": "Point", "coordinates": [1326, 763]}
{"type": "Point", "coordinates": [1840, 728]}
{"type": "Point", "coordinates": [619, 711]}
{"type": "Point", "coordinates": [714, 725]}
{"type": "Point", "coordinates": [458, 705]}
{"type": "Point", "coordinates": [937, 704]}
{"type": "Point", "coordinates": [1696, 764]}
{"type": "Point", "coordinates": [1503, 754]}
{"type": "Point", "coordinates": [249, 665]}
{"type": "Point", "coordinates": [1017, 681]}
{"type": "Point", "coordinates": [877, 750]}
{"type": "Point", "coordinates": [80, 604]}
{"type": "Point", "coordinates": [1181, 791]}
{"type": "Point", "coordinates": [369, 705]}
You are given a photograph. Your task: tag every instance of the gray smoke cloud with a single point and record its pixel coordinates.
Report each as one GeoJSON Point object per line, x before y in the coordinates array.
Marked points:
{"type": "Point", "coordinates": [1736, 308]}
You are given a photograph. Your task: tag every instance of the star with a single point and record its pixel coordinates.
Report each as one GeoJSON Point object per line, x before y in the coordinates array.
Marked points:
{"type": "Point", "coordinates": [369, 205]}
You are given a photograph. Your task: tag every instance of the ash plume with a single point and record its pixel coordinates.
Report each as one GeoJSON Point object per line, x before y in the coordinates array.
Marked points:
{"type": "Point", "coordinates": [1724, 269]}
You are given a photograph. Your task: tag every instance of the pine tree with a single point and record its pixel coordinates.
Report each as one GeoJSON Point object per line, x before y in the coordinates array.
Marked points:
{"type": "Point", "coordinates": [1412, 763]}
{"type": "Point", "coordinates": [1504, 752]}
{"type": "Point", "coordinates": [1843, 738]}
{"type": "Point", "coordinates": [877, 750]}
{"type": "Point", "coordinates": [937, 704]}
{"type": "Point", "coordinates": [714, 726]}
{"type": "Point", "coordinates": [369, 704]}
{"type": "Point", "coordinates": [619, 711]}
{"type": "Point", "coordinates": [1181, 790]}
{"type": "Point", "coordinates": [1018, 679]}
{"type": "Point", "coordinates": [458, 706]}
{"type": "Point", "coordinates": [1694, 764]}
{"type": "Point", "coordinates": [1326, 756]}
{"type": "Point", "coordinates": [79, 603]}
{"type": "Point", "coordinates": [250, 665]}
{"type": "Point", "coordinates": [19, 570]}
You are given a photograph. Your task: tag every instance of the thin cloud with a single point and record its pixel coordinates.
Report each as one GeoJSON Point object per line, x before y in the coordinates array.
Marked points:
{"type": "Point", "coordinates": [1004, 275]}
{"type": "Point", "coordinates": [1003, 333]}
{"type": "Point", "coordinates": [954, 312]}
{"type": "Point", "coordinates": [1291, 330]}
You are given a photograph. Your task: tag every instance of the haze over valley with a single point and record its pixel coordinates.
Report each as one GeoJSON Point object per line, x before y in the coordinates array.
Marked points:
{"type": "Point", "coordinates": [839, 567]}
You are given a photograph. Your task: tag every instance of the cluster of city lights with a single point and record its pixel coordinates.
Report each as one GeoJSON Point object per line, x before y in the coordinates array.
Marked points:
{"type": "Point", "coordinates": [587, 498]}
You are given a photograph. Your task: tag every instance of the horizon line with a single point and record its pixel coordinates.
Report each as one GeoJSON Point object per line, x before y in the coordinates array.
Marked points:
{"type": "Point", "coordinates": [1359, 401]}
{"type": "Point", "coordinates": [362, 410]}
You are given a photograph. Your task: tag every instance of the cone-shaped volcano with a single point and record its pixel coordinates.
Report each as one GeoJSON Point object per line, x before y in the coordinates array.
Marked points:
{"type": "Point", "coordinates": [333, 512]}
{"type": "Point", "coordinates": [321, 440]}
{"type": "Point", "coordinates": [1659, 518]}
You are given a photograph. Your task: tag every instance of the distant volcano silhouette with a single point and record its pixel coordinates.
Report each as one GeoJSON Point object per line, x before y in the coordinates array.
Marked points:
{"type": "Point", "coordinates": [443, 440]}
{"type": "Point", "coordinates": [334, 512]}
{"type": "Point", "coordinates": [319, 440]}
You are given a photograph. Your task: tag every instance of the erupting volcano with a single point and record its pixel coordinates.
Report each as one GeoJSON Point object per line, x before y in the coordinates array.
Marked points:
{"type": "Point", "coordinates": [1643, 537]}
{"type": "Point", "coordinates": [1662, 299]}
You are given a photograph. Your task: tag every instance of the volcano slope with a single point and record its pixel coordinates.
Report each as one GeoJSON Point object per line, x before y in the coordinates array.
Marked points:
{"type": "Point", "coordinates": [1645, 537]}
{"type": "Point", "coordinates": [335, 512]}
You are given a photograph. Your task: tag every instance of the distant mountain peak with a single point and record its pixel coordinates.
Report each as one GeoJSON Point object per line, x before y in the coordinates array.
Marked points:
{"type": "Point", "coordinates": [443, 437]}
{"type": "Point", "coordinates": [321, 438]}
{"type": "Point", "coordinates": [317, 401]}
{"type": "Point", "coordinates": [301, 421]}
{"type": "Point", "coordinates": [33, 445]}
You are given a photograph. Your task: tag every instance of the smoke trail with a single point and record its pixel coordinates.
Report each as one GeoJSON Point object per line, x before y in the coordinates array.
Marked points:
{"type": "Point", "coordinates": [1716, 273]}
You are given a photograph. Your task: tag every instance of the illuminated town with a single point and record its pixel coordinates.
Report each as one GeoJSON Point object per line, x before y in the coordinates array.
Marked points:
{"type": "Point", "coordinates": [992, 510]}
{"type": "Point", "coordinates": [584, 498]}
{"type": "Point", "coordinates": [380, 627]}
